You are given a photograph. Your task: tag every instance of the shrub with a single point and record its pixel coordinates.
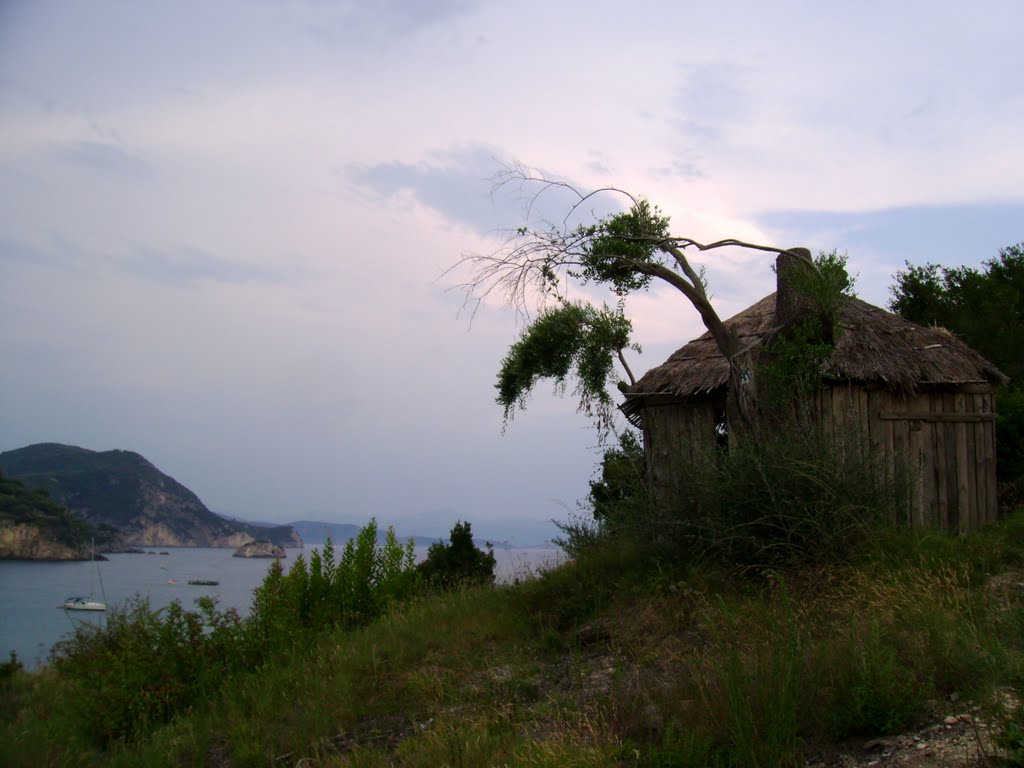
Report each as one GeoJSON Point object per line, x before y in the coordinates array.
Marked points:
{"type": "Point", "coordinates": [367, 580]}
{"type": "Point", "coordinates": [459, 562]}
{"type": "Point", "coordinates": [146, 666]}
{"type": "Point", "coordinates": [1010, 443]}
{"type": "Point", "coordinates": [792, 498]}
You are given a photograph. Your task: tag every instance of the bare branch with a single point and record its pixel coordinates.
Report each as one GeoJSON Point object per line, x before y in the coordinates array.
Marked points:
{"type": "Point", "coordinates": [625, 367]}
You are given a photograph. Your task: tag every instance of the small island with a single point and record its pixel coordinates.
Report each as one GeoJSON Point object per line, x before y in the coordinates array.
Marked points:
{"type": "Point", "coordinates": [260, 548]}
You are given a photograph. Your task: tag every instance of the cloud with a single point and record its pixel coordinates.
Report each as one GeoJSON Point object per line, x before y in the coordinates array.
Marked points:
{"type": "Point", "coordinates": [714, 91]}
{"type": "Point", "coordinates": [363, 24]}
{"type": "Point", "coordinates": [189, 265]}
{"type": "Point", "coordinates": [473, 187]}
{"type": "Point", "coordinates": [104, 157]}
{"type": "Point", "coordinates": [16, 253]}
{"type": "Point", "coordinates": [680, 169]}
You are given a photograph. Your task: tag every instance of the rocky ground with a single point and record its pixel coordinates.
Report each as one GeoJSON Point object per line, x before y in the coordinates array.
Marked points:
{"type": "Point", "coordinates": [955, 740]}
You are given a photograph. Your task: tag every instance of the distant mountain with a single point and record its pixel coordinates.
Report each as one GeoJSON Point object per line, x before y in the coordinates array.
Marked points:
{"type": "Point", "coordinates": [123, 490]}
{"type": "Point", "coordinates": [314, 533]}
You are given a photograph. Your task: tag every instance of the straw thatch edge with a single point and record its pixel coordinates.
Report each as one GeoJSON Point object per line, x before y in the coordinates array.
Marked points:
{"type": "Point", "coordinates": [873, 346]}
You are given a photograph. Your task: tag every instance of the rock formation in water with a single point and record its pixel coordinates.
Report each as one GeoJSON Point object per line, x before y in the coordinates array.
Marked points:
{"type": "Point", "coordinates": [260, 549]}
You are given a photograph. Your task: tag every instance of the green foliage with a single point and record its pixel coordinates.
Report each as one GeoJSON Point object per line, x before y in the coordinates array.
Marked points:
{"type": "Point", "coordinates": [112, 485]}
{"type": "Point", "coordinates": [572, 339]}
{"type": "Point", "coordinates": [459, 562]}
{"type": "Point", "coordinates": [577, 339]}
{"type": "Point", "coordinates": [985, 308]}
{"type": "Point", "coordinates": [794, 363]}
{"type": "Point", "coordinates": [613, 659]}
{"type": "Point", "coordinates": [826, 288]}
{"type": "Point", "coordinates": [20, 504]}
{"type": "Point", "coordinates": [617, 499]}
{"type": "Point", "coordinates": [791, 372]}
{"type": "Point", "coordinates": [9, 669]}
{"type": "Point", "coordinates": [101, 480]}
{"type": "Point", "coordinates": [1010, 440]}
{"type": "Point", "coordinates": [147, 666]}
{"type": "Point", "coordinates": [875, 691]}
{"type": "Point", "coordinates": [614, 247]}
{"type": "Point", "coordinates": [368, 580]}
{"type": "Point", "coordinates": [623, 469]}
{"type": "Point", "coordinates": [790, 499]}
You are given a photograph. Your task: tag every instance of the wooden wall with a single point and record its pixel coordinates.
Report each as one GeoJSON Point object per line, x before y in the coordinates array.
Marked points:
{"type": "Point", "coordinates": [674, 436]}
{"type": "Point", "coordinates": [945, 437]}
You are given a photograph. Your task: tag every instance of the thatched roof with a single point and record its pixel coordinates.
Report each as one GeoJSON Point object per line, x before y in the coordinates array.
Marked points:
{"type": "Point", "coordinates": [873, 346]}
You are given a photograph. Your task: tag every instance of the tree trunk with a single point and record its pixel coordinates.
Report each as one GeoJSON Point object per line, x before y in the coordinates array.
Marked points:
{"type": "Point", "coordinates": [742, 407]}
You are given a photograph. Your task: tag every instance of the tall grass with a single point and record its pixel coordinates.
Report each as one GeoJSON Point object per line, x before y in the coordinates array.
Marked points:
{"type": "Point", "coordinates": [623, 657]}
{"type": "Point", "coordinates": [122, 681]}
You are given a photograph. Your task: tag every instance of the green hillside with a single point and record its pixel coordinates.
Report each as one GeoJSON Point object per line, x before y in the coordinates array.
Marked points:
{"type": "Point", "coordinates": [123, 490]}
{"type": "Point", "coordinates": [20, 504]}
{"type": "Point", "coordinates": [96, 484]}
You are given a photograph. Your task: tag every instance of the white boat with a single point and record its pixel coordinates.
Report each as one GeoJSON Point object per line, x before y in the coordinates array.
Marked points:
{"type": "Point", "coordinates": [87, 603]}
{"type": "Point", "coordinates": [82, 604]}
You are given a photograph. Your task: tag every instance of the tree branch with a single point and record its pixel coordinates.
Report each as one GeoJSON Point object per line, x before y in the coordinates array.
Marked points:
{"type": "Point", "coordinates": [625, 366]}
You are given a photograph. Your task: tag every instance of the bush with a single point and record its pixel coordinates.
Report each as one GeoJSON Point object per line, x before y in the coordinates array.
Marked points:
{"type": "Point", "coordinates": [146, 666]}
{"type": "Point", "coordinates": [459, 562]}
{"type": "Point", "coordinates": [796, 498]}
{"type": "Point", "coordinates": [1010, 446]}
{"type": "Point", "coordinates": [367, 581]}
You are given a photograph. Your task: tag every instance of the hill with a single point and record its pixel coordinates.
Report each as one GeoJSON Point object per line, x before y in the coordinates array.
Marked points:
{"type": "Point", "coordinates": [123, 490]}
{"type": "Point", "coordinates": [34, 527]}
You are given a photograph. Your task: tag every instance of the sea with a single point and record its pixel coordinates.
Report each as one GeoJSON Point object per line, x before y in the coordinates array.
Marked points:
{"type": "Point", "coordinates": [30, 591]}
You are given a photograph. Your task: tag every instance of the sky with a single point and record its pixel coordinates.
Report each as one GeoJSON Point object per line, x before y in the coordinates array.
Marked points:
{"type": "Point", "coordinates": [225, 227]}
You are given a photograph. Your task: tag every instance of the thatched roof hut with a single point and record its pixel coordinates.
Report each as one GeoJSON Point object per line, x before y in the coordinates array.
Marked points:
{"type": "Point", "coordinates": [918, 393]}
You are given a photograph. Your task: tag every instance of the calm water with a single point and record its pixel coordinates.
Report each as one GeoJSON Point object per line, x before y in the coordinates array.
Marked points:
{"type": "Point", "coordinates": [30, 623]}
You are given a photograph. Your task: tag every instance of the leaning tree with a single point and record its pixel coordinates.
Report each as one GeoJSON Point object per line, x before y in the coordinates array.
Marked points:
{"type": "Point", "coordinates": [624, 252]}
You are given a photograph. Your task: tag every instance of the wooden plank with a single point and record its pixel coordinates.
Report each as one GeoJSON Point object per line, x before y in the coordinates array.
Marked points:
{"type": "Point", "coordinates": [876, 429]}
{"type": "Point", "coordinates": [975, 388]}
{"type": "Point", "coordinates": [929, 486]}
{"type": "Point", "coordinates": [889, 443]}
{"type": "Point", "coordinates": [941, 469]}
{"type": "Point", "coordinates": [863, 424]}
{"type": "Point", "coordinates": [980, 485]}
{"type": "Point", "coordinates": [918, 415]}
{"type": "Point", "coordinates": [914, 455]}
{"type": "Point", "coordinates": [901, 453]}
{"type": "Point", "coordinates": [949, 432]}
{"type": "Point", "coordinates": [970, 465]}
{"type": "Point", "coordinates": [990, 464]}
{"type": "Point", "coordinates": [962, 478]}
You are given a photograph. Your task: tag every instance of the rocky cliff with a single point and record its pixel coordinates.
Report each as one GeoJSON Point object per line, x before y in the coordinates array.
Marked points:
{"type": "Point", "coordinates": [27, 542]}
{"type": "Point", "coordinates": [124, 490]}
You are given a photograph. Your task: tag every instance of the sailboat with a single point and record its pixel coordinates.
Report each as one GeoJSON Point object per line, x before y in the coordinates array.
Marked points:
{"type": "Point", "coordinates": [87, 603]}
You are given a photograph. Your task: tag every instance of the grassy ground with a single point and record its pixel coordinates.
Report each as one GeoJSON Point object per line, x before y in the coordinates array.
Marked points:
{"type": "Point", "coordinates": [618, 659]}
